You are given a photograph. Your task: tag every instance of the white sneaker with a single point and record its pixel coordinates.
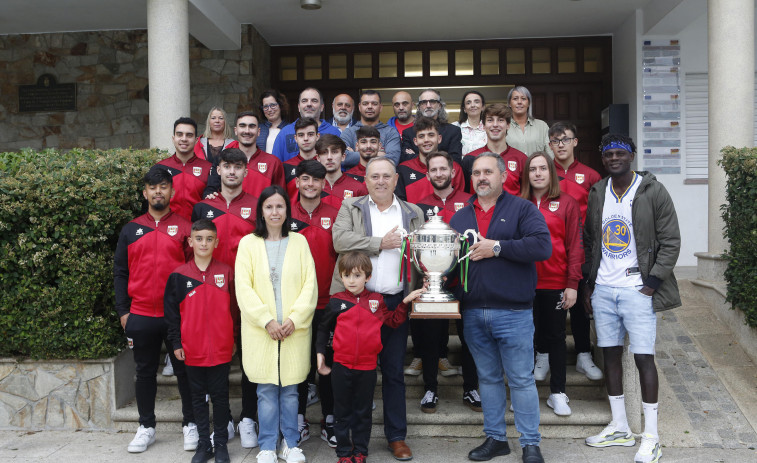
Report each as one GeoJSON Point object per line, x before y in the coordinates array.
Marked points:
{"type": "Point", "coordinates": [312, 394]}
{"type": "Point", "coordinates": [191, 436]}
{"type": "Point", "coordinates": [168, 369]}
{"type": "Point", "coordinates": [415, 368]}
{"type": "Point", "coordinates": [229, 429]}
{"type": "Point", "coordinates": [446, 368]}
{"type": "Point", "coordinates": [612, 435]}
{"type": "Point", "coordinates": [291, 455]}
{"type": "Point", "coordinates": [267, 456]}
{"type": "Point", "coordinates": [541, 368]}
{"type": "Point", "coordinates": [649, 450]}
{"type": "Point", "coordinates": [247, 433]}
{"type": "Point", "coordinates": [585, 365]}
{"type": "Point", "coordinates": [143, 439]}
{"type": "Point", "coordinates": [559, 403]}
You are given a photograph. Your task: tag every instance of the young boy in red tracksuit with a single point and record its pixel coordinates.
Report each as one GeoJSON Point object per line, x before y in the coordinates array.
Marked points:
{"type": "Point", "coordinates": [201, 313]}
{"type": "Point", "coordinates": [351, 326]}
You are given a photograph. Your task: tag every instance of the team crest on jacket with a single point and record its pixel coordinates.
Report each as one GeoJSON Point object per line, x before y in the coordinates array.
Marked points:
{"type": "Point", "coordinates": [347, 194]}
{"type": "Point", "coordinates": [197, 171]}
{"type": "Point", "coordinates": [326, 222]}
{"type": "Point", "coordinates": [373, 303]}
{"type": "Point", "coordinates": [172, 230]}
{"type": "Point", "coordinates": [220, 281]}
{"type": "Point", "coordinates": [459, 206]}
{"type": "Point", "coordinates": [262, 167]}
{"type": "Point", "coordinates": [579, 178]}
{"type": "Point", "coordinates": [245, 212]}
{"type": "Point", "coordinates": [512, 165]}
{"type": "Point", "coordinates": [554, 205]}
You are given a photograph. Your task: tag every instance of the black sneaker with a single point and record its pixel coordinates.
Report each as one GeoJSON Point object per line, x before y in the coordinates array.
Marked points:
{"type": "Point", "coordinates": [472, 400]}
{"type": "Point", "coordinates": [428, 403]}
{"type": "Point", "coordinates": [203, 453]}
{"type": "Point", "coordinates": [222, 454]}
{"type": "Point", "coordinates": [327, 433]}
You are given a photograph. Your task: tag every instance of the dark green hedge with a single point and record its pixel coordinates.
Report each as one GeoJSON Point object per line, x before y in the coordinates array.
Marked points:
{"type": "Point", "coordinates": [60, 215]}
{"type": "Point", "coordinates": [740, 216]}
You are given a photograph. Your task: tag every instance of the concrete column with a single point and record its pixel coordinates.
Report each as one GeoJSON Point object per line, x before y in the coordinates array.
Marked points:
{"type": "Point", "coordinates": [731, 97]}
{"type": "Point", "coordinates": [167, 67]}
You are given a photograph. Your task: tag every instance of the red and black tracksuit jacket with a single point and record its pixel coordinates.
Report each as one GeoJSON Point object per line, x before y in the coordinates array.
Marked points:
{"type": "Point", "coordinates": [316, 228]}
{"type": "Point", "coordinates": [263, 170]}
{"type": "Point", "coordinates": [563, 269]}
{"type": "Point", "coordinates": [200, 147]}
{"type": "Point", "coordinates": [576, 181]}
{"type": "Point", "coordinates": [233, 221]}
{"type": "Point", "coordinates": [515, 161]}
{"type": "Point", "coordinates": [290, 176]}
{"type": "Point", "coordinates": [147, 252]}
{"type": "Point", "coordinates": [351, 326]}
{"type": "Point", "coordinates": [413, 185]}
{"type": "Point", "coordinates": [357, 172]}
{"type": "Point", "coordinates": [189, 182]}
{"type": "Point", "coordinates": [455, 201]}
{"type": "Point", "coordinates": [202, 313]}
{"type": "Point", "coordinates": [345, 187]}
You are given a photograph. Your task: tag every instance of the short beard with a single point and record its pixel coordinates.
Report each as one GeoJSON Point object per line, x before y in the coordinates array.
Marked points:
{"type": "Point", "coordinates": [343, 120]}
{"type": "Point", "coordinates": [444, 185]}
{"type": "Point", "coordinates": [160, 206]}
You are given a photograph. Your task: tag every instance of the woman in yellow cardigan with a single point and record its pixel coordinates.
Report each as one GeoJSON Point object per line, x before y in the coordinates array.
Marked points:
{"type": "Point", "coordinates": [277, 293]}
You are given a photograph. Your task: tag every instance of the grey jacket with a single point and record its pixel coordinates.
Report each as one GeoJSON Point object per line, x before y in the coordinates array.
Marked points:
{"type": "Point", "coordinates": [390, 139]}
{"type": "Point", "coordinates": [352, 232]}
{"type": "Point", "coordinates": [658, 239]}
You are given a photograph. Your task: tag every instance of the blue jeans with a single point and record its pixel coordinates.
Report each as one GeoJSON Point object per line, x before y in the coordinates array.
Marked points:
{"type": "Point", "coordinates": [502, 343]}
{"type": "Point", "coordinates": [392, 359]}
{"type": "Point", "coordinates": [277, 410]}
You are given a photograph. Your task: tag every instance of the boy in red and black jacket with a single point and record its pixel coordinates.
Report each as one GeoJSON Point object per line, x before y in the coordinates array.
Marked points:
{"type": "Point", "coordinates": [202, 318]}
{"type": "Point", "coordinates": [351, 327]}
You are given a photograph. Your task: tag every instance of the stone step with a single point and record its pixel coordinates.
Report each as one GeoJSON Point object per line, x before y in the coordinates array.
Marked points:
{"type": "Point", "coordinates": [452, 419]}
{"type": "Point", "coordinates": [578, 386]}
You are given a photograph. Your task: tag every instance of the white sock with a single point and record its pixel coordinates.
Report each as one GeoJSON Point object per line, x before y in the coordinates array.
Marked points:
{"type": "Point", "coordinates": [650, 419]}
{"type": "Point", "coordinates": [618, 408]}
{"type": "Point", "coordinates": [301, 420]}
{"type": "Point", "coordinates": [330, 419]}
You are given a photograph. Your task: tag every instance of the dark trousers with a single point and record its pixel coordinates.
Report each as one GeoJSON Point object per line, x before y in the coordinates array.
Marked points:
{"type": "Point", "coordinates": [249, 393]}
{"type": "Point", "coordinates": [579, 322]}
{"type": "Point", "coordinates": [213, 381]}
{"type": "Point", "coordinates": [429, 332]}
{"type": "Point", "coordinates": [147, 335]}
{"type": "Point", "coordinates": [353, 394]}
{"type": "Point", "coordinates": [549, 334]}
{"type": "Point", "coordinates": [392, 359]}
{"type": "Point", "coordinates": [470, 376]}
{"type": "Point", "coordinates": [324, 382]}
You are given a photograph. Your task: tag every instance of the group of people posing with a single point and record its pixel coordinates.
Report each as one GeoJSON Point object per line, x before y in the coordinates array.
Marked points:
{"type": "Point", "coordinates": [281, 242]}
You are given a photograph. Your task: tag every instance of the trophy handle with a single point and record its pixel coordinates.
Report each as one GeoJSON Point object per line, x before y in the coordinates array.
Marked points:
{"type": "Point", "coordinates": [472, 233]}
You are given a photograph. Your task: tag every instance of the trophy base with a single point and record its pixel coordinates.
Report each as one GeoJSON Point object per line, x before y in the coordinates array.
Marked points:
{"type": "Point", "coordinates": [449, 310]}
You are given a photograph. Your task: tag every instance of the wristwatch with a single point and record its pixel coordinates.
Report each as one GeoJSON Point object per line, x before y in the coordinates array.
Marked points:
{"type": "Point", "coordinates": [496, 249]}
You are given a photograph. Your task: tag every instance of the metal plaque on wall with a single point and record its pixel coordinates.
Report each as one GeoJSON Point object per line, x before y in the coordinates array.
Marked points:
{"type": "Point", "coordinates": [46, 95]}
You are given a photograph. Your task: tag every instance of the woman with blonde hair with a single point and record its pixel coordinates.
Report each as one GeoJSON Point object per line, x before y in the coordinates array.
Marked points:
{"type": "Point", "coordinates": [217, 137]}
{"type": "Point", "coordinates": [277, 293]}
{"type": "Point", "coordinates": [558, 276]}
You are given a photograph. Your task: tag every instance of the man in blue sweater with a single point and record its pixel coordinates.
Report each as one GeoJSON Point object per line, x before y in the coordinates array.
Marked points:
{"type": "Point", "coordinates": [497, 307]}
{"type": "Point", "coordinates": [309, 104]}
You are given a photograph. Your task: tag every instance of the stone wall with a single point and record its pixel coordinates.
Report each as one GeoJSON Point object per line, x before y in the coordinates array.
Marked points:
{"type": "Point", "coordinates": [49, 394]}
{"type": "Point", "coordinates": [110, 70]}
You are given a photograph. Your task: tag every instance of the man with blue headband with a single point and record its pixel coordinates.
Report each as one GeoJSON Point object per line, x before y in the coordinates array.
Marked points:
{"type": "Point", "coordinates": [632, 242]}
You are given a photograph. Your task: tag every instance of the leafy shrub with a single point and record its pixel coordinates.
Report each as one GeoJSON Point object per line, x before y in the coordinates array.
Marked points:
{"type": "Point", "coordinates": [60, 216]}
{"type": "Point", "coordinates": [740, 216]}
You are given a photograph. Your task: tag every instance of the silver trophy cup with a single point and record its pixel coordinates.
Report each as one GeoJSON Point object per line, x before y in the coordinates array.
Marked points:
{"type": "Point", "coordinates": [435, 249]}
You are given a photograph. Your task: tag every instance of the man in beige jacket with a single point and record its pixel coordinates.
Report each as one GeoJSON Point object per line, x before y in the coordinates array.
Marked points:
{"type": "Point", "coordinates": [374, 224]}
